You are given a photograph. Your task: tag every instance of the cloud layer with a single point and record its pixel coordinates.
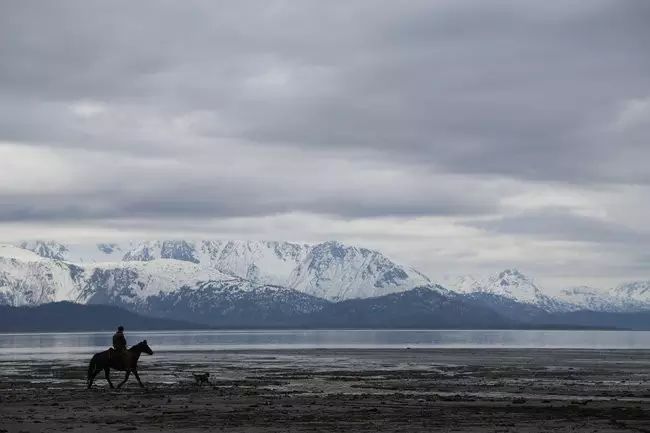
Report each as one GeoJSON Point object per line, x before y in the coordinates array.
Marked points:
{"type": "Point", "coordinates": [458, 135]}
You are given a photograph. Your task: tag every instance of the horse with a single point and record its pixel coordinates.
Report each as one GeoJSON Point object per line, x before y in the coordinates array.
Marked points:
{"type": "Point", "coordinates": [127, 361]}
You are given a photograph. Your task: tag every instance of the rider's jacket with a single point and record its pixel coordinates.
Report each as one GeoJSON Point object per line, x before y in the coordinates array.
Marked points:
{"type": "Point", "coordinates": [119, 341]}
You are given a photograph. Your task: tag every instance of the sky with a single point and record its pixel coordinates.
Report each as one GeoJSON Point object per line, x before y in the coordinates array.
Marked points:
{"type": "Point", "coordinates": [460, 137]}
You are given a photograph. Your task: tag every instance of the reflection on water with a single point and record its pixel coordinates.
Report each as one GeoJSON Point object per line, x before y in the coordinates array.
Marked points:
{"type": "Point", "coordinates": [74, 345]}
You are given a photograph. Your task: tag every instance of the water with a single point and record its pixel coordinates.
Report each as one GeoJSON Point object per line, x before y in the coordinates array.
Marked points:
{"type": "Point", "coordinates": [68, 346]}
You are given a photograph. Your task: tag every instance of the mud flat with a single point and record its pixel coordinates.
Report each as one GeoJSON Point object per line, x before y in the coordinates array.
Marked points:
{"type": "Point", "coordinates": [459, 390]}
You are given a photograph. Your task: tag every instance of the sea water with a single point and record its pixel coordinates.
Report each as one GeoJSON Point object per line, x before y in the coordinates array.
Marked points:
{"type": "Point", "coordinates": [71, 345]}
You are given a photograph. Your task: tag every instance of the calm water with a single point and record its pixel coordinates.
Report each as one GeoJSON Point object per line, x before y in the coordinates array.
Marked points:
{"type": "Point", "coordinates": [78, 345]}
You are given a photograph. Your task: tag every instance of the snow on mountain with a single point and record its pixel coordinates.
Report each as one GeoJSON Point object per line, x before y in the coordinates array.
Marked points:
{"type": "Point", "coordinates": [628, 297]}
{"type": "Point", "coordinates": [335, 271]}
{"type": "Point", "coordinates": [8, 251]}
{"type": "Point", "coordinates": [128, 273]}
{"type": "Point", "coordinates": [124, 283]}
{"type": "Point", "coordinates": [510, 284]}
{"type": "Point", "coordinates": [152, 250]}
{"type": "Point", "coordinates": [638, 290]}
{"type": "Point", "coordinates": [75, 253]}
{"type": "Point", "coordinates": [131, 272]}
{"type": "Point", "coordinates": [28, 279]}
{"type": "Point", "coordinates": [47, 249]}
{"type": "Point", "coordinates": [463, 283]}
{"type": "Point", "coordinates": [590, 298]}
{"type": "Point", "coordinates": [633, 295]}
{"type": "Point", "coordinates": [262, 262]}
{"type": "Point", "coordinates": [514, 285]}
{"type": "Point", "coordinates": [330, 270]}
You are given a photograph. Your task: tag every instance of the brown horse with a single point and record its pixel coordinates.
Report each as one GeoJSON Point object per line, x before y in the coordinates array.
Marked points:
{"type": "Point", "coordinates": [127, 361]}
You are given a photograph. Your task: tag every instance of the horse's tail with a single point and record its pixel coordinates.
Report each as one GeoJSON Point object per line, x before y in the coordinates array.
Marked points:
{"type": "Point", "coordinates": [92, 367]}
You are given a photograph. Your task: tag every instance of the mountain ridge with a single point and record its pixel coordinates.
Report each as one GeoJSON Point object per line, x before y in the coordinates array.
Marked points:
{"type": "Point", "coordinates": [277, 281]}
{"type": "Point", "coordinates": [330, 270]}
{"type": "Point", "coordinates": [514, 285]}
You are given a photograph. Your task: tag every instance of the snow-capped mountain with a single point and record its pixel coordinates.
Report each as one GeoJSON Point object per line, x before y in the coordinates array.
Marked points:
{"type": "Point", "coordinates": [263, 262]}
{"type": "Point", "coordinates": [335, 271]}
{"type": "Point", "coordinates": [47, 249]}
{"type": "Point", "coordinates": [75, 253]}
{"type": "Point", "coordinates": [135, 270]}
{"type": "Point", "coordinates": [330, 270]}
{"type": "Point", "coordinates": [628, 297]}
{"type": "Point", "coordinates": [513, 285]}
{"type": "Point", "coordinates": [633, 296]}
{"type": "Point", "coordinates": [29, 279]}
{"type": "Point", "coordinates": [636, 290]}
{"type": "Point", "coordinates": [276, 279]}
{"type": "Point", "coordinates": [590, 298]}
{"type": "Point", "coordinates": [462, 283]}
{"type": "Point", "coordinates": [125, 283]}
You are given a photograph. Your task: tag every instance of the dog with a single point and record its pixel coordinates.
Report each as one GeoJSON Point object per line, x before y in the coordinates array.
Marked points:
{"type": "Point", "coordinates": [201, 378]}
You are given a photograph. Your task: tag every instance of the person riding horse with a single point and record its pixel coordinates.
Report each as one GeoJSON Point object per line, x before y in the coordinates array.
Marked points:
{"type": "Point", "coordinates": [127, 362]}
{"type": "Point", "coordinates": [119, 346]}
{"type": "Point", "coordinates": [119, 341]}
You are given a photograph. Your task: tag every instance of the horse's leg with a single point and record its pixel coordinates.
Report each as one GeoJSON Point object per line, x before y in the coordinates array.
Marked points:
{"type": "Point", "coordinates": [135, 373]}
{"type": "Point", "coordinates": [91, 378]}
{"type": "Point", "coordinates": [119, 385]}
{"type": "Point", "coordinates": [108, 376]}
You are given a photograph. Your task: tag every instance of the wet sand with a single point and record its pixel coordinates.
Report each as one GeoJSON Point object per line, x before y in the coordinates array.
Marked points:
{"type": "Point", "coordinates": [459, 390]}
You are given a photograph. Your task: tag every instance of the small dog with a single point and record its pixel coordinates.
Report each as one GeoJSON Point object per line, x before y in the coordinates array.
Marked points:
{"type": "Point", "coordinates": [201, 378]}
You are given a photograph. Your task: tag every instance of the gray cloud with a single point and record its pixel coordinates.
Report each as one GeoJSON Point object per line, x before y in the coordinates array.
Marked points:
{"type": "Point", "coordinates": [558, 224]}
{"type": "Point", "coordinates": [442, 111]}
{"type": "Point", "coordinates": [115, 186]}
{"type": "Point", "coordinates": [516, 88]}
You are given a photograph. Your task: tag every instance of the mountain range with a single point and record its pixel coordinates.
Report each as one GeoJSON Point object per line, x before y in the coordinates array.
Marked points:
{"type": "Point", "coordinates": [512, 284]}
{"type": "Point", "coordinates": [277, 283]}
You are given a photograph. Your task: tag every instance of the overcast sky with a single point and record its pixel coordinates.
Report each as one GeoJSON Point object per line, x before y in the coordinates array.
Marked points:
{"type": "Point", "coordinates": [456, 136]}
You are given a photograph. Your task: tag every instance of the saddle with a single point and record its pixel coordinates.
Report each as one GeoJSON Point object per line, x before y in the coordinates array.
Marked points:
{"type": "Point", "coordinates": [122, 355]}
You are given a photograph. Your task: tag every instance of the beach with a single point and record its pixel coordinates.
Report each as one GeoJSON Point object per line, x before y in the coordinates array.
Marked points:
{"type": "Point", "coordinates": [387, 390]}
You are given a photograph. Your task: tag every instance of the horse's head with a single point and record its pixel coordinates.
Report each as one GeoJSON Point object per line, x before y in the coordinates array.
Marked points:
{"type": "Point", "coordinates": [144, 347]}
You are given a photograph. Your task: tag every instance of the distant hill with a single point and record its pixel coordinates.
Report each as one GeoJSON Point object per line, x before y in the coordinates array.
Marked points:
{"type": "Point", "coordinates": [639, 321]}
{"type": "Point", "coordinates": [528, 315]}
{"type": "Point", "coordinates": [68, 316]}
{"type": "Point", "coordinates": [422, 307]}
{"type": "Point", "coordinates": [217, 306]}
{"type": "Point", "coordinates": [224, 305]}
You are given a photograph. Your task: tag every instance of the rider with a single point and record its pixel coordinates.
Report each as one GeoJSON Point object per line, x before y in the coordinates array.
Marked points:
{"type": "Point", "coordinates": [119, 341]}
